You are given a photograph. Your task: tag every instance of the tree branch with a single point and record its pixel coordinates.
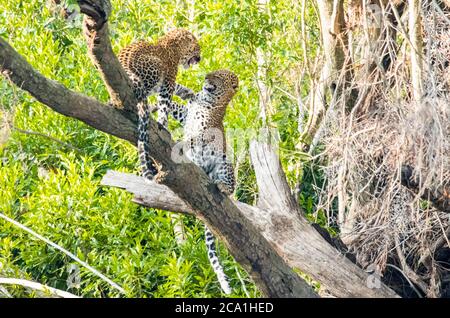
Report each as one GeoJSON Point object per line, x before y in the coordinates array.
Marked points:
{"type": "Point", "coordinates": [36, 133]}
{"type": "Point", "coordinates": [416, 41]}
{"type": "Point", "coordinates": [62, 250]}
{"type": "Point", "coordinates": [36, 286]}
{"type": "Point", "coordinates": [293, 234]}
{"type": "Point", "coordinates": [64, 101]}
{"type": "Point", "coordinates": [96, 32]}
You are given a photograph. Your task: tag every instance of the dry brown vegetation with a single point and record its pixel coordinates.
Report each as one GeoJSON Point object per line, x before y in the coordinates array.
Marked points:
{"type": "Point", "coordinates": [388, 156]}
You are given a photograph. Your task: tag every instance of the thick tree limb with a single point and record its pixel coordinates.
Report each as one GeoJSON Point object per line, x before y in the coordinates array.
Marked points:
{"type": "Point", "coordinates": [297, 238]}
{"type": "Point", "coordinates": [272, 275]}
{"type": "Point", "coordinates": [283, 225]}
{"type": "Point", "coordinates": [243, 239]}
{"type": "Point", "coordinates": [95, 27]}
{"type": "Point", "coordinates": [62, 100]}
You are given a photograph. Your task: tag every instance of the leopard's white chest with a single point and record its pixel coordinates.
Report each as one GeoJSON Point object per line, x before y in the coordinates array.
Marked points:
{"type": "Point", "coordinates": [198, 119]}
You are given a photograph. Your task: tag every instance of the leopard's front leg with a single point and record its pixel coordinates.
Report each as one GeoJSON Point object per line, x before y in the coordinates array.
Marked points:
{"type": "Point", "coordinates": [224, 176]}
{"type": "Point", "coordinates": [179, 112]}
{"type": "Point", "coordinates": [164, 102]}
{"type": "Point", "coordinates": [222, 173]}
{"type": "Point", "coordinates": [183, 92]}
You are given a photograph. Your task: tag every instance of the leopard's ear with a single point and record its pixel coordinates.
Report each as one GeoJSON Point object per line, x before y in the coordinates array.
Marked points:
{"type": "Point", "coordinates": [208, 76]}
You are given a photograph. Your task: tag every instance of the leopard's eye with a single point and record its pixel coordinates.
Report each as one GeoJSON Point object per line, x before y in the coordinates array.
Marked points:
{"type": "Point", "coordinates": [211, 88]}
{"type": "Point", "coordinates": [194, 60]}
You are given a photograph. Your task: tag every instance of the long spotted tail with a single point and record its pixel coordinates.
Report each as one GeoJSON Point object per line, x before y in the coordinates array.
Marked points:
{"type": "Point", "coordinates": [148, 168]}
{"type": "Point", "coordinates": [214, 260]}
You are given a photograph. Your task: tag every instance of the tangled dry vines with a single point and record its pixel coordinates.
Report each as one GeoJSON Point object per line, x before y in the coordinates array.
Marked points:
{"type": "Point", "coordinates": [388, 167]}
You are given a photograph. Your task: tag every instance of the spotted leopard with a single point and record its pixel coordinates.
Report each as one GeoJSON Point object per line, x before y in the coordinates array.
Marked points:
{"type": "Point", "coordinates": [204, 142]}
{"type": "Point", "coordinates": [152, 69]}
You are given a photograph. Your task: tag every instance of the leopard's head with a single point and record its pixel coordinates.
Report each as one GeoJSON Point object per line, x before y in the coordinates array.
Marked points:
{"type": "Point", "coordinates": [186, 44]}
{"type": "Point", "coordinates": [220, 86]}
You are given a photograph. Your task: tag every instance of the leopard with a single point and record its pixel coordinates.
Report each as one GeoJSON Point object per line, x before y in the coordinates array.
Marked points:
{"type": "Point", "coordinates": [152, 69]}
{"type": "Point", "coordinates": [204, 143]}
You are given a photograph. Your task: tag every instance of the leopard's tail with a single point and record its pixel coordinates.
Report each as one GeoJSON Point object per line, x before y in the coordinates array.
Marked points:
{"type": "Point", "coordinates": [148, 168]}
{"type": "Point", "coordinates": [214, 260]}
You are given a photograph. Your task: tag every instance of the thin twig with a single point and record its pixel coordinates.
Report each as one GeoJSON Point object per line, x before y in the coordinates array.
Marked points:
{"type": "Point", "coordinates": [242, 283]}
{"type": "Point", "coordinates": [61, 249]}
{"type": "Point", "coordinates": [413, 276]}
{"type": "Point", "coordinates": [35, 133]}
{"type": "Point", "coordinates": [407, 278]}
{"type": "Point", "coordinates": [36, 286]}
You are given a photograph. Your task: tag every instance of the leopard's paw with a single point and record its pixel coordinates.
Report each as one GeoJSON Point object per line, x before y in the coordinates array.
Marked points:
{"type": "Point", "coordinates": [223, 188]}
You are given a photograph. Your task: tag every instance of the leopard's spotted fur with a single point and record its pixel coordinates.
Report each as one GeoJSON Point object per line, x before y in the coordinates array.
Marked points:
{"type": "Point", "coordinates": [205, 145]}
{"type": "Point", "coordinates": [152, 68]}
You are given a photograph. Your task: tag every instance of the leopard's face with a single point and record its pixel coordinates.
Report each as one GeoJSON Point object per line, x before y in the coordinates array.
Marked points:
{"type": "Point", "coordinates": [183, 45]}
{"type": "Point", "coordinates": [192, 54]}
{"type": "Point", "coordinates": [188, 45]}
{"type": "Point", "coordinates": [220, 86]}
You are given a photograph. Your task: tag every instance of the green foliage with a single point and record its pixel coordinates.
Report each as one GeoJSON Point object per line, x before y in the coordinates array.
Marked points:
{"type": "Point", "coordinates": [54, 190]}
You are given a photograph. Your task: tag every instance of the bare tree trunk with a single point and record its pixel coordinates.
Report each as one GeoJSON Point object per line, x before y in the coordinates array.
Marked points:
{"type": "Point", "coordinates": [416, 42]}
{"type": "Point", "coordinates": [96, 32]}
{"type": "Point", "coordinates": [335, 73]}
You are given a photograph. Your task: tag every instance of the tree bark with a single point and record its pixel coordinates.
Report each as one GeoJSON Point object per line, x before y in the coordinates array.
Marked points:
{"type": "Point", "coordinates": [64, 101]}
{"type": "Point", "coordinates": [416, 42]}
{"type": "Point", "coordinates": [336, 73]}
{"type": "Point", "coordinates": [261, 75]}
{"type": "Point", "coordinates": [295, 236]}
{"type": "Point", "coordinates": [96, 32]}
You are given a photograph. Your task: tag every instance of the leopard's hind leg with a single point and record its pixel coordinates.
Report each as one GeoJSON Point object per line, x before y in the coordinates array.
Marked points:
{"type": "Point", "coordinates": [148, 168]}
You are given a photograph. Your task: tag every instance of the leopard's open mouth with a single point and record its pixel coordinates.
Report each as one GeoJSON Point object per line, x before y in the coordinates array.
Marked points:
{"type": "Point", "coordinates": [192, 61]}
